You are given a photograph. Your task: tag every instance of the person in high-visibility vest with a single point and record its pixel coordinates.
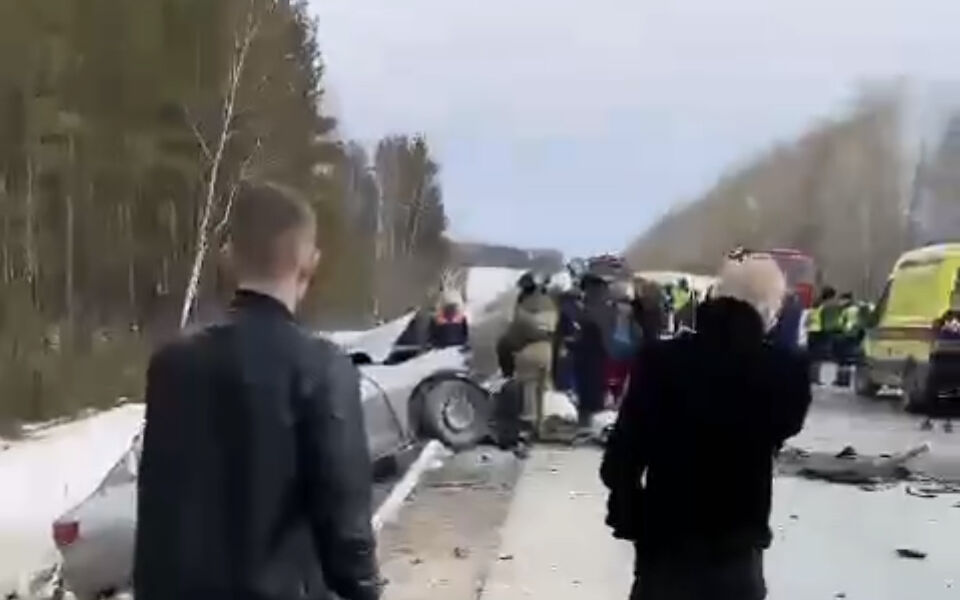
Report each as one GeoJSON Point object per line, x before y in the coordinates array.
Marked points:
{"type": "Point", "coordinates": [847, 340]}
{"type": "Point", "coordinates": [818, 342]}
{"type": "Point", "coordinates": [815, 331]}
{"type": "Point", "coordinates": [850, 319]}
{"type": "Point", "coordinates": [681, 300]}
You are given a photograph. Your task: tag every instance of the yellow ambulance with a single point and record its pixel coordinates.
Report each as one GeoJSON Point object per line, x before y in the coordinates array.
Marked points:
{"type": "Point", "coordinates": [913, 342]}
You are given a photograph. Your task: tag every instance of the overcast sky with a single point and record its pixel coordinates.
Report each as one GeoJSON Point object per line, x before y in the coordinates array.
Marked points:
{"type": "Point", "coordinates": [574, 124]}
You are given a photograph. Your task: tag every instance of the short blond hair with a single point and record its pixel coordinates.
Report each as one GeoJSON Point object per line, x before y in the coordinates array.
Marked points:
{"type": "Point", "coordinates": [262, 214]}
{"type": "Point", "coordinates": [757, 280]}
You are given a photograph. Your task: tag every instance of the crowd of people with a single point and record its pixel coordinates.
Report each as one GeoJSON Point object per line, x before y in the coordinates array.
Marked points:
{"type": "Point", "coordinates": [255, 477]}
{"type": "Point", "coordinates": [579, 332]}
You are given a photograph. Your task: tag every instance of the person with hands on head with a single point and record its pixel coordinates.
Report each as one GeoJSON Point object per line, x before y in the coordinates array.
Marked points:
{"type": "Point", "coordinates": [689, 464]}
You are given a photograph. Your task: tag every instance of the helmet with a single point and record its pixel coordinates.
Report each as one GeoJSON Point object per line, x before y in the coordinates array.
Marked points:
{"type": "Point", "coordinates": [531, 281]}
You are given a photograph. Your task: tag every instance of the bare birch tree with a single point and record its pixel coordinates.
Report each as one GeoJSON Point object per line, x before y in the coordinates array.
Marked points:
{"type": "Point", "coordinates": [242, 42]}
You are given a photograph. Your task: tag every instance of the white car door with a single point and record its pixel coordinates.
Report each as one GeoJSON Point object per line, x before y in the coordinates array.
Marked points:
{"type": "Point", "coordinates": [385, 433]}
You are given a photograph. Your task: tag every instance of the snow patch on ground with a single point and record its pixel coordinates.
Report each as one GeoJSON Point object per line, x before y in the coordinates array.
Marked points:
{"type": "Point", "coordinates": [48, 472]}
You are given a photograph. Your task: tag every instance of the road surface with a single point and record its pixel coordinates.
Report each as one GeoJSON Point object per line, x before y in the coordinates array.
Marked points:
{"type": "Point", "coordinates": [831, 541]}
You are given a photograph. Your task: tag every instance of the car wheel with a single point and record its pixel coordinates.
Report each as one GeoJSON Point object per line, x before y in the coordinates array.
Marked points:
{"type": "Point", "coordinates": [916, 394]}
{"type": "Point", "coordinates": [863, 384]}
{"type": "Point", "coordinates": [457, 412]}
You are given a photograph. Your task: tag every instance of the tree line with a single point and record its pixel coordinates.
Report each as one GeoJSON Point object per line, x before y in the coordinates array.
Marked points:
{"type": "Point", "coordinates": [125, 130]}
{"type": "Point", "coordinates": [842, 192]}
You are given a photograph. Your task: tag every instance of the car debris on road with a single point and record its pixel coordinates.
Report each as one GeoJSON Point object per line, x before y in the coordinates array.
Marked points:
{"type": "Point", "coordinates": [911, 553]}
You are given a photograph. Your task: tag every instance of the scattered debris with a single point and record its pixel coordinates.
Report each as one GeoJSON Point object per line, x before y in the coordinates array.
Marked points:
{"type": "Point", "coordinates": [792, 453]}
{"type": "Point", "coordinates": [879, 486]}
{"type": "Point", "coordinates": [505, 557]}
{"type": "Point", "coordinates": [860, 470]}
{"type": "Point", "coordinates": [919, 493]}
{"type": "Point", "coordinates": [927, 425]}
{"type": "Point", "coordinates": [848, 452]}
{"type": "Point", "coordinates": [461, 552]}
{"type": "Point", "coordinates": [948, 426]}
{"type": "Point", "coordinates": [929, 488]}
{"type": "Point", "coordinates": [840, 595]}
{"type": "Point", "coordinates": [911, 553]}
{"type": "Point", "coordinates": [794, 518]}
{"type": "Point", "coordinates": [416, 560]}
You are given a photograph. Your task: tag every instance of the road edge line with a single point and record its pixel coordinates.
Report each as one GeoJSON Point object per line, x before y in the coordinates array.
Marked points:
{"type": "Point", "coordinates": [389, 508]}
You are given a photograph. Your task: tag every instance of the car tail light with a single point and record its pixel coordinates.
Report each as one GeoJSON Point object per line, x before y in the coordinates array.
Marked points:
{"type": "Point", "coordinates": [65, 533]}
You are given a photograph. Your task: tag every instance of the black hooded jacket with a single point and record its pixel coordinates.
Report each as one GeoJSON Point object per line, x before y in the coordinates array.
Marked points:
{"type": "Point", "coordinates": [690, 463]}
{"type": "Point", "coordinates": [255, 481]}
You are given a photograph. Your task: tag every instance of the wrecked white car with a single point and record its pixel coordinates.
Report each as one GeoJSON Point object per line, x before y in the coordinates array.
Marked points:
{"type": "Point", "coordinates": [409, 393]}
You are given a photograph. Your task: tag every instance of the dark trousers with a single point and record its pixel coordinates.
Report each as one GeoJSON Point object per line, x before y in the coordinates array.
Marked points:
{"type": "Point", "coordinates": [730, 577]}
{"type": "Point", "coordinates": [591, 386]}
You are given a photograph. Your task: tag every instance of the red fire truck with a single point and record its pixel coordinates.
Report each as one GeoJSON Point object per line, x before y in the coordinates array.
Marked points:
{"type": "Point", "coordinates": [800, 270]}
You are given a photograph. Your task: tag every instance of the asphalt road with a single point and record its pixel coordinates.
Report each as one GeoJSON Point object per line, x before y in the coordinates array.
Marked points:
{"type": "Point", "coordinates": [839, 418]}
{"type": "Point", "coordinates": [831, 540]}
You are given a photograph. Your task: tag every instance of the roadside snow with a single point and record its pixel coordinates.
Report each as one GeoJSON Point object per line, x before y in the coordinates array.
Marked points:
{"type": "Point", "coordinates": [49, 472]}
{"type": "Point", "coordinates": [486, 284]}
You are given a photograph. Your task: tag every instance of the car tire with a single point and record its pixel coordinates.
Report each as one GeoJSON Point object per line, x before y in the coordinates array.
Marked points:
{"type": "Point", "coordinates": [863, 384]}
{"type": "Point", "coordinates": [455, 411]}
{"type": "Point", "coordinates": [916, 393]}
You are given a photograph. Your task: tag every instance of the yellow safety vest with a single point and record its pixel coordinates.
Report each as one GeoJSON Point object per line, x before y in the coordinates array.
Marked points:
{"type": "Point", "coordinates": [850, 318]}
{"type": "Point", "coordinates": [680, 298]}
{"type": "Point", "coordinates": [815, 320]}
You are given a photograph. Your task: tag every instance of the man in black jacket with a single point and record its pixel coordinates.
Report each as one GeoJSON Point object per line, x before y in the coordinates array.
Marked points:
{"type": "Point", "coordinates": [690, 461]}
{"type": "Point", "coordinates": [255, 481]}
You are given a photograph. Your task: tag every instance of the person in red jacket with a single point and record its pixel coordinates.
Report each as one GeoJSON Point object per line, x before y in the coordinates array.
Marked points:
{"type": "Point", "coordinates": [449, 326]}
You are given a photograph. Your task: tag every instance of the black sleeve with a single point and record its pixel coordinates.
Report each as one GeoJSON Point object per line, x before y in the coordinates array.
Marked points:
{"type": "Point", "coordinates": [626, 454]}
{"type": "Point", "coordinates": [338, 478]}
{"type": "Point", "coordinates": [505, 358]}
{"type": "Point", "coordinates": [158, 470]}
{"type": "Point", "coordinates": [791, 409]}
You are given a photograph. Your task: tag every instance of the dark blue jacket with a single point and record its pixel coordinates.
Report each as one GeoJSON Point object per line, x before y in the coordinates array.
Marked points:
{"type": "Point", "coordinates": [786, 333]}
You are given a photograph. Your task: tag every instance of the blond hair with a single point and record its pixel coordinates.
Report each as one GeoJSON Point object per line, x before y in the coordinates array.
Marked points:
{"type": "Point", "coordinates": [757, 280]}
